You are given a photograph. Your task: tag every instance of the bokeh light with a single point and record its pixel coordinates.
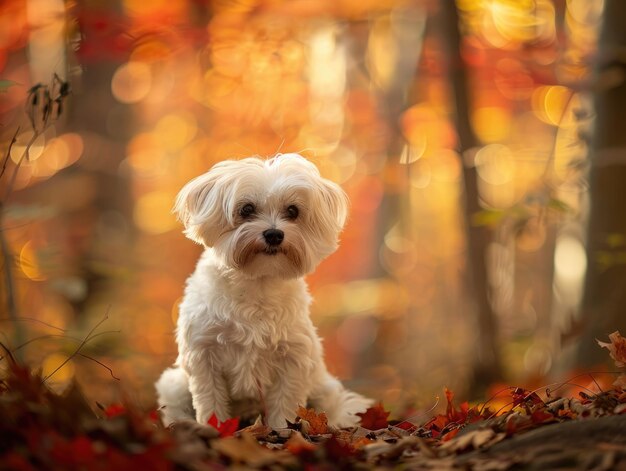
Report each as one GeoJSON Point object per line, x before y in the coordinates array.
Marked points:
{"type": "Point", "coordinates": [131, 82]}
{"type": "Point", "coordinates": [161, 91]}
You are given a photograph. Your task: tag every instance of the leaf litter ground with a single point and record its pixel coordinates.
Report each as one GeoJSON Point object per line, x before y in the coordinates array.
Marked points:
{"type": "Point", "coordinates": [517, 429]}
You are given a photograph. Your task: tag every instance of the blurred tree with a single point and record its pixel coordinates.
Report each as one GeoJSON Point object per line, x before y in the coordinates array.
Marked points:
{"type": "Point", "coordinates": [107, 132]}
{"type": "Point", "coordinates": [604, 298]}
{"type": "Point", "coordinates": [405, 34]}
{"type": "Point", "coordinates": [487, 366]}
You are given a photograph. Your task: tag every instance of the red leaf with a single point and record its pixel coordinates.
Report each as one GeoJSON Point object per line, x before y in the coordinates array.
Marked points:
{"type": "Point", "coordinates": [374, 418]}
{"type": "Point", "coordinates": [226, 428]}
{"type": "Point", "coordinates": [82, 450]}
{"type": "Point", "coordinates": [454, 415]}
{"type": "Point", "coordinates": [523, 396]}
{"type": "Point", "coordinates": [540, 416]}
{"type": "Point", "coordinates": [405, 425]}
{"type": "Point", "coordinates": [337, 450]}
{"type": "Point", "coordinates": [114, 410]}
{"type": "Point", "coordinates": [16, 462]}
{"type": "Point", "coordinates": [450, 435]}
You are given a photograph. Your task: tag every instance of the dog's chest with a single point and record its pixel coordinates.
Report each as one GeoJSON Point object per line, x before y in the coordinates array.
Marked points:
{"type": "Point", "coordinates": [260, 339]}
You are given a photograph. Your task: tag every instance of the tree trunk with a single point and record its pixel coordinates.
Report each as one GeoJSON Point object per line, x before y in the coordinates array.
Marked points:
{"type": "Point", "coordinates": [487, 366]}
{"type": "Point", "coordinates": [604, 298]}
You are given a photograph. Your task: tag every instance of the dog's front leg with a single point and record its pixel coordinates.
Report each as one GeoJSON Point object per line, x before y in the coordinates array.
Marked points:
{"type": "Point", "coordinates": [209, 391]}
{"type": "Point", "coordinates": [284, 396]}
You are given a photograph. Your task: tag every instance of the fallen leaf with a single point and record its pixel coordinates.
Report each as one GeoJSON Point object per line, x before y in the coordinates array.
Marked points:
{"type": "Point", "coordinates": [540, 416]}
{"type": "Point", "coordinates": [246, 450]}
{"type": "Point", "coordinates": [620, 382]}
{"type": "Point", "coordinates": [450, 435]}
{"type": "Point", "coordinates": [374, 418]}
{"type": "Point", "coordinates": [567, 413]}
{"type": "Point", "coordinates": [616, 347]}
{"type": "Point", "coordinates": [455, 415]}
{"type": "Point", "coordinates": [298, 445]}
{"type": "Point", "coordinates": [114, 410]}
{"type": "Point", "coordinates": [318, 423]}
{"type": "Point", "coordinates": [472, 440]}
{"type": "Point", "coordinates": [394, 450]}
{"type": "Point", "coordinates": [337, 450]}
{"type": "Point", "coordinates": [226, 428]}
{"type": "Point", "coordinates": [257, 429]}
{"type": "Point", "coordinates": [524, 397]}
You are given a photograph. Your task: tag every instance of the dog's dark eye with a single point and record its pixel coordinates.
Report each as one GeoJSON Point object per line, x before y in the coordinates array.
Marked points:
{"type": "Point", "coordinates": [292, 212]}
{"type": "Point", "coordinates": [247, 210]}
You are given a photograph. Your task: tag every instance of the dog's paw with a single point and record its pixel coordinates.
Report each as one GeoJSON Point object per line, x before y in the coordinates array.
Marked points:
{"type": "Point", "coordinates": [204, 415]}
{"type": "Point", "coordinates": [276, 422]}
{"type": "Point", "coordinates": [189, 427]}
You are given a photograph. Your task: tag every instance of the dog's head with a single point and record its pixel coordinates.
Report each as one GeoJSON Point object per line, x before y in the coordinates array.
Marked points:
{"type": "Point", "coordinates": [275, 217]}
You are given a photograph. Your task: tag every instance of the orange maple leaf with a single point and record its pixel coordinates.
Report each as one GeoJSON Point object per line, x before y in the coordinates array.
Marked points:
{"type": "Point", "coordinates": [374, 418]}
{"type": "Point", "coordinates": [318, 422]}
{"type": "Point", "coordinates": [616, 347]}
{"type": "Point", "coordinates": [455, 415]}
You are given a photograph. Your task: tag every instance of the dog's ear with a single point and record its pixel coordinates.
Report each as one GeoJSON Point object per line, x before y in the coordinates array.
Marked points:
{"type": "Point", "coordinates": [199, 206]}
{"type": "Point", "coordinates": [335, 203]}
{"type": "Point", "coordinates": [330, 211]}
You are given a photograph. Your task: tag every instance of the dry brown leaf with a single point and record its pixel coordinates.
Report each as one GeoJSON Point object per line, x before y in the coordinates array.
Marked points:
{"type": "Point", "coordinates": [246, 450]}
{"type": "Point", "coordinates": [318, 423]}
{"type": "Point", "coordinates": [392, 450]}
{"type": "Point", "coordinates": [616, 347]}
{"type": "Point", "coordinates": [473, 440]}
{"type": "Point", "coordinates": [257, 429]}
{"type": "Point", "coordinates": [297, 444]}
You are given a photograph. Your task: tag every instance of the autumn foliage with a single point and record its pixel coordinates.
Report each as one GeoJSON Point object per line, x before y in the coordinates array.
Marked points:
{"type": "Point", "coordinates": [41, 429]}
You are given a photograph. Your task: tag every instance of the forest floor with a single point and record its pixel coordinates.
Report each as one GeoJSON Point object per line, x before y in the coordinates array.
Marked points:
{"type": "Point", "coordinates": [520, 430]}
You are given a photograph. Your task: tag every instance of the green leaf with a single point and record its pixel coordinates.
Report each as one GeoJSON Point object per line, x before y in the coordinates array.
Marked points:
{"type": "Point", "coordinates": [559, 205]}
{"type": "Point", "coordinates": [6, 84]}
{"type": "Point", "coordinates": [487, 217]}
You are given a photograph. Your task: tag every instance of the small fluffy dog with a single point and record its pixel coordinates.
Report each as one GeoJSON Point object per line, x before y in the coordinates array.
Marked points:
{"type": "Point", "coordinates": [244, 332]}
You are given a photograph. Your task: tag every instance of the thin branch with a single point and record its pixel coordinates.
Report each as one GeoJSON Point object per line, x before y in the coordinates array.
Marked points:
{"type": "Point", "coordinates": [8, 352]}
{"type": "Point", "coordinates": [32, 319]}
{"type": "Point", "coordinates": [82, 344]}
{"type": "Point", "coordinates": [68, 337]}
{"type": "Point", "coordinates": [8, 154]}
{"type": "Point", "coordinates": [101, 364]}
{"type": "Point", "coordinates": [25, 155]}
{"type": "Point", "coordinates": [409, 420]}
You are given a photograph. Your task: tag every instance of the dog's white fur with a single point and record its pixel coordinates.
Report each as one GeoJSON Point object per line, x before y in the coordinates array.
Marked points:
{"type": "Point", "coordinates": [244, 330]}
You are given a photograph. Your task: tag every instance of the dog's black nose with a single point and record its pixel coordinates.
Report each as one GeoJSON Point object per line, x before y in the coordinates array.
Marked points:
{"type": "Point", "coordinates": [273, 236]}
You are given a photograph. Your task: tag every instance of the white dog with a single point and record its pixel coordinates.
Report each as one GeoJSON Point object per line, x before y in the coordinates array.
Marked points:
{"type": "Point", "coordinates": [244, 331]}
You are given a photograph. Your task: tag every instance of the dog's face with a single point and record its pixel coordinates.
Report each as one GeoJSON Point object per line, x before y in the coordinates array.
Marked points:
{"type": "Point", "coordinates": [275, 217]}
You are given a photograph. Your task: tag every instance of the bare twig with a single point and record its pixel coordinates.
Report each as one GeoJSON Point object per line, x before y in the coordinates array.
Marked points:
{"type": "Point", "coordinates": [8, 154]}
{"type": "Point", "coordinates": [32, 319]}
{"type": "Point", "coordinates": [8, 352]}
{"type": "Point", "coordinates": [25, 156]}
{"type": "Point", "coordinates": [101, 364]}
{"type": "Point", "coordinates": [76, 339]}
{"type": "Point", "coordinates": [53, 95]}
{"type": "Point", "coordinates": [59, 336]}
{"type": "Point", "coordinates": [535, 391]}
{"type": "Point", "coordinates": [409, 420]}
{"type": "Point", "coordinates": [79, 348]}
{"type": "Point", "coordinates": [9, 284]}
